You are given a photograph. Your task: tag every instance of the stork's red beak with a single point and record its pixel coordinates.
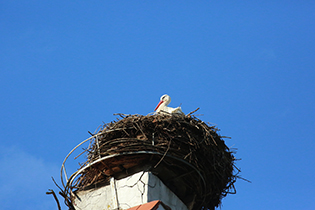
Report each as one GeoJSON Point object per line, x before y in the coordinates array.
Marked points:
{"type": "Point", "coordinates": [158, 105]}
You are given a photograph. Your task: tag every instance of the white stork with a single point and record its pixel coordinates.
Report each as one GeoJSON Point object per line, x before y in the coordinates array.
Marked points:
{"type": "Point", "coordinates": [162, 106]}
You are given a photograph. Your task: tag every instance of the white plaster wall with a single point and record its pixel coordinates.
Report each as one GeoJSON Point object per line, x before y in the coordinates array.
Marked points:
{"type": "Point", "coordinates": [158, 191]}
{"type": "Point", "coordinates": [160, 207]}
{"type": "Point", "coordinates": [96, 199]}
{"type": "Point", "coordinates": [131, 191]}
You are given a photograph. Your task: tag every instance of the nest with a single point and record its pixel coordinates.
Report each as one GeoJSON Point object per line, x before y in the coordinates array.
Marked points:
{"type": "Point", "coordinates": [188, 155]}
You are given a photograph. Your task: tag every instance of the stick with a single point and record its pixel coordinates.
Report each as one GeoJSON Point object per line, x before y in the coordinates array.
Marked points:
{"type": "Point", "coordinates": [193, 112]}
{"type": "Point", "coordinates": [54, 194]}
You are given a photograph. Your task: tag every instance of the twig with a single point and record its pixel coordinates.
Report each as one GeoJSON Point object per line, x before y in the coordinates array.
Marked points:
{"type": "Point", "coordinates": [189, 114]}
{"type": "Point", "coordinates": [56, 199]}
{"type": "Point", "coordinates": [80, 154]}
{"type": "Point", "coordinates": [169, 144]}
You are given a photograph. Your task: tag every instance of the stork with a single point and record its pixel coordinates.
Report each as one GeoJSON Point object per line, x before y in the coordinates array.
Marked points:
{"type": "Point", "coordinates": [162, 106]}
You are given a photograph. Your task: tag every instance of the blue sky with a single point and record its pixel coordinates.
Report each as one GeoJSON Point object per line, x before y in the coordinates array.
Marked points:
{"type": "Point", "coordinates": [67, 66]}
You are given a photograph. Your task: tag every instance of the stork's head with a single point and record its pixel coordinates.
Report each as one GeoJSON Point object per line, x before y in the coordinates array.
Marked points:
{"type": "Point", "coordinates": [165, 100]}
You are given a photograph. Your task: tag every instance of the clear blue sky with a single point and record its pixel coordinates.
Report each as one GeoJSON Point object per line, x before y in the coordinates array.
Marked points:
{"type": "Point", "coordinates": [67, 66]}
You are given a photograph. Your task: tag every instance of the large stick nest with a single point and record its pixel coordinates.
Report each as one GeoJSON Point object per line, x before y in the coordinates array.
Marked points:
{"type": "Point", "coordinates": [206, 178]}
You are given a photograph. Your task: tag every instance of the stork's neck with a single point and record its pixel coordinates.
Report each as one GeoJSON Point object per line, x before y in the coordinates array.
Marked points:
{"type": "Point", "coordinates": [162, 106]}
{"type": "Point", "coordinates": [166, 103]}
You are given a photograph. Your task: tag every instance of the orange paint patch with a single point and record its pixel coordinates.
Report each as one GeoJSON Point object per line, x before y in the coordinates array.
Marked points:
{"type": "Point", "coordinates": [147, 206]}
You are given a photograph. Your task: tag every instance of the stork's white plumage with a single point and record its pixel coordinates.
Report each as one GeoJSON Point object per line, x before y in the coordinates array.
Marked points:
{"type": "Point", "coordinates": [162, 106]}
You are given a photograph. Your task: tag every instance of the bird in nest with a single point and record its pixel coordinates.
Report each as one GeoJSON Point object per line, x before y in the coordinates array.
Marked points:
{"type": "Point", "coordinates": [162, 106]}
